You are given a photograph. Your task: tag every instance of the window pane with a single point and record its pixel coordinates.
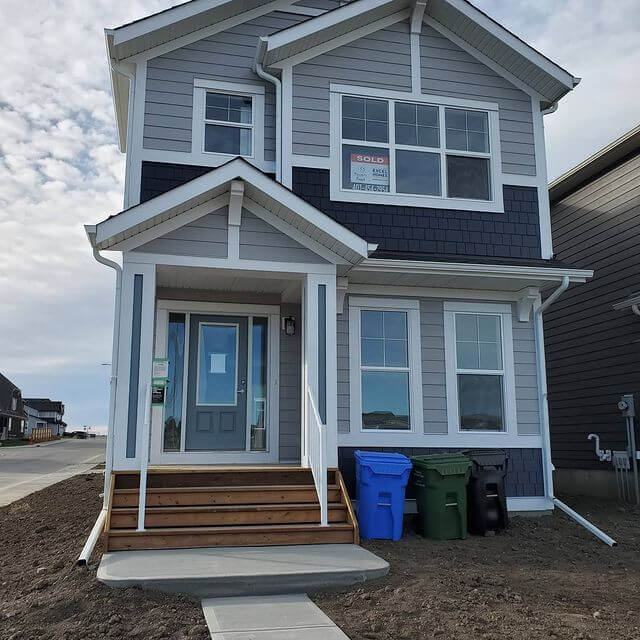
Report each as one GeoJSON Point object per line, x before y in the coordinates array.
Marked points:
{"type": "Point", "coordinates": [456, 139]}
{"type": "Point", "coordinates": [477, 142]}
{"type": "Point", "coordinates": [217, 364]}
{"type": "Point", "coordinates": [467, 326]}
{"type": "Point", "coordinates": [395, 324]}
{"type": "Point", "coordinates": [258, 406]}
{"type": "Point", "coordinates": [480, 402]}
{"type": "Point", "coordinates": [489, 328]}
{"type": "Point", "coordinates": [468, 356]}
{"type": "Point", "coordinates": [455, 119]}
{"type": "Point", "coordinates": [353, 129]}
{"type": "Point", "coordinates": [490, 355]}
{"type": "Point", "coordinates": [428, 137]}
{"type": "Point", "coordinates": [477, 121]}
{"type": "Point", "coordinates": [352, 107]}
{"type": "Point", "coordinates": [372, 323]}
{"type": "Point", "coordinates": [427, 115]}
{"type": "Point", "coordinates": [467, 130]}
{"type": "Point", "coordinates": [365, 168]}
{"type": "Point", "coordinates": [406, 134]}
{"type": "Point", "coordinates": [245, 142]}
{"type": "Point", "coordinates": [395, 353]}
{"type": "Point", "coordinates": [405, 113]}
{"type": "Point", "coordinates": [215, 113]}
{"type": "Point", "coordinates": [376, 131]}
{"type": "Point", "coordinates": [418, 172]}
{"type": "Point", "coordinates": [221, 139]}
{"type": "Point", "coordinates": [385, 400]}
{"type": "Point", "coordinates": [377, 110]}
{"type": "Point", "coordinates": [468, 177]}
{"type": "Point", "coordinates": [372, 354]}
{"type": "Point", "coordinates": [173, 392]}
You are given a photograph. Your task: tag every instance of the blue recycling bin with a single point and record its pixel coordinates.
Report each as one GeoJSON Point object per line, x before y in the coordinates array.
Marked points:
{"type": "Point", "coordinates": [381, 480]}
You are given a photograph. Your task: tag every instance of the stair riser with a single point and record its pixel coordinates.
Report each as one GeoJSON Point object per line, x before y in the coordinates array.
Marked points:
{"type": "Point", "coordinates": [223, 498]}
{"type": "Point", "coordinates": [284, 516]}
{"type": "Point", "coordinates": [148, 540]}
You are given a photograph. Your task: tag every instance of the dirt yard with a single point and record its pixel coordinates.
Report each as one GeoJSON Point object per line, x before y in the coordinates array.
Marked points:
{"type": "Point", "coordinates": [544, 579]}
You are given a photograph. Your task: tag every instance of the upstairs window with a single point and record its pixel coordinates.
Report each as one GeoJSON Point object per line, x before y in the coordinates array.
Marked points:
{"type": "Point", "coordinates": [228, 124]}
{"type": "Point", "coordinates": [414, 150]}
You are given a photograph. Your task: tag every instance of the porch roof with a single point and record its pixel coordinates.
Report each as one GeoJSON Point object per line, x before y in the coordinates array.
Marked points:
{"type": "Point", "coordinates": [211, 191]}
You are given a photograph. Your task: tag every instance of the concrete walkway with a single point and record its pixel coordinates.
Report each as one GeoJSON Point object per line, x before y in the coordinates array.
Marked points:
{"type": "Point", "coordinates": [283, 617]}
{"type": "Point", "coordinates": [242, 571]}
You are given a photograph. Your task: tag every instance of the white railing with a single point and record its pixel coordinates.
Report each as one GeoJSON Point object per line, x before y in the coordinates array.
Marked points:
{"type": "Point", "coordinates": [144, 459]}
{"type": "Point", "coordinates": [317, 454]}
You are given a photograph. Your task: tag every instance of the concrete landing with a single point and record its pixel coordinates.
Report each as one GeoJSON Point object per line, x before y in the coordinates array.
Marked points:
{"type": "Point", "coordinates": [287, 617]}
{"type": "Point", "coordinates": [242, 571]}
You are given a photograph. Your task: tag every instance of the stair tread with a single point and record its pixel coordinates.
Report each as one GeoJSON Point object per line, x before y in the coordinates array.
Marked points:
{"type": "Point", "coordinates": [230, 529]}
{"type": "Point", "coordinates": [277, 487]}
{"type": "Point", "coordinates": [228, 507]}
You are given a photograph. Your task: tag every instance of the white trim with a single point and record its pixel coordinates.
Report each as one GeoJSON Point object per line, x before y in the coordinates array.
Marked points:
{"type": "Point", "coordinates": [417, 16]}
{"type": "Point", "coordinates": [198, 123]}
{"type": "Point", "coordinates": [217, 308]}
{"type": "Point", "coordinates": [525, 504]}
{"type": "Point", "coordinates": [306, 11]}
{"type": "Point", "coordinates": [455, 433]}
{"type": "Point", "coordinates": [135, 141]}
{"type": "Point", "coordinates": [212, 160]}
{"type": "Point", "coordinates": [494, 156]}
{"type": "Point", "coordinates": [236, 197]}
{"type": "Point", "coordinates": [544, 207]}
{"type": "Point", "coordinates": [287, 126]}
{"type": "Point", "coordinates": [414, 368]}
{"type": "Point", "coordinates": [431, 292]}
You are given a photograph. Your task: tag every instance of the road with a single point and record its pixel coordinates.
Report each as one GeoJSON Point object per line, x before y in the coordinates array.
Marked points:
{"type": "Point", "coordinates": [30, 468]}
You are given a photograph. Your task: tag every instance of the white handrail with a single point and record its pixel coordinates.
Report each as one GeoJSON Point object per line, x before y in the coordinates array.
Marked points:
{"type": "Point", "coordinates": [144, 459]}
{"type": "Point", "coordinates": [317, 446]}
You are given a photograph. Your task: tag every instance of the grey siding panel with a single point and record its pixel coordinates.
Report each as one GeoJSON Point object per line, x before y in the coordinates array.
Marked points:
{"type": "Point", "coordinates": [592, 350]}
{"type": "Point", "coordinates": [134, 367]}
{"type": "Point", "coordinates": [260, 241]}
{"type": "Point", "coordinates": [434, 391]}
{"type": "Point", "coordinates": [448, 70]}
{"type": "Point", "coordinates": [389, 50]}
{"type": "Point", "coordinates": [290, 386]}
{"type": "Point", "coordinates": [206, 237]}
{"type": "Point", "coordinates": [227, 56]}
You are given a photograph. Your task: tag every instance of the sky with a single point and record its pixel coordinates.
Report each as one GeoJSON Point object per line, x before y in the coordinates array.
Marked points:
{"type": "Point", "coordinates": [60, 167]}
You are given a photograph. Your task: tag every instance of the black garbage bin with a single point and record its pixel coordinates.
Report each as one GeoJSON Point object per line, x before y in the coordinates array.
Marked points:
{"type": "Point", "coordinates": [486, 498]}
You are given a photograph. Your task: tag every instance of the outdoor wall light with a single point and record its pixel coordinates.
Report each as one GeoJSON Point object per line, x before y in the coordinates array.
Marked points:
{"type": "Point", "coordinates": [289, 325]}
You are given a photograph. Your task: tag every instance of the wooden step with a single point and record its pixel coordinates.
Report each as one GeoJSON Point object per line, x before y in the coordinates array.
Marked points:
{"type": "Point", "coordinates": [242, 536]}
{"type": "Point", "coordinates": [226, 515]}
{"type": "Point", "coordinates": [193, 496]}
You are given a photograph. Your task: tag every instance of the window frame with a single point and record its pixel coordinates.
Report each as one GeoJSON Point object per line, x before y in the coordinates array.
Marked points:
{"type": "Point", "coordinates": [494, 204]}
{"type": "Point", "coordinates": [504, 311]}
{"type": "Point", "coordinates": [199, 121]}
{"type": "Point", "coordinates": [414, 362]}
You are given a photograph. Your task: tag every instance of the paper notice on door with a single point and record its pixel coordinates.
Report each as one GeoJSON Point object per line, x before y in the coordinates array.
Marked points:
{"type": "Point", "coordinates": [218, 363]}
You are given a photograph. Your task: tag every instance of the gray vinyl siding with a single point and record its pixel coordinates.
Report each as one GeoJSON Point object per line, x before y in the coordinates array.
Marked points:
{"type": "Point", "coordinates": [591, 350]}
{"type": "Point", "coordinates": [206, 237]}
{"type": "Point", "coordinates": [290, 389]}
{"type": "Point", "coordinates": [448, 70]}
{"type": "Point", "coordinates": [381, 60]}
{"type": "Point", "coordinates": [260, 241]}
{"type": "Point", "coordinates": [227, 56]}
{"type": "Point", "coordinates": [434, 390]}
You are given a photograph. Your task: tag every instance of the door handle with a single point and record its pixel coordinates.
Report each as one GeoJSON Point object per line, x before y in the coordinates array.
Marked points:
{"type": "Point", "coordinates": [240, 391]}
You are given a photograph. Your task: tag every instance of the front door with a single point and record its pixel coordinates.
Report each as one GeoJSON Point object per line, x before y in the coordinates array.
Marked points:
{"type": "Point", "coordinates": [217, 386]}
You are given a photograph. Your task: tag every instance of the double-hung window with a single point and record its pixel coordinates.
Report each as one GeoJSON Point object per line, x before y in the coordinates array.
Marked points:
{"type": "Point", "coordinates": [415, 152]}
{"type": "Point", "coordinates": [385, 368]}
{"type": "Point", "coordinates": [480, 380]}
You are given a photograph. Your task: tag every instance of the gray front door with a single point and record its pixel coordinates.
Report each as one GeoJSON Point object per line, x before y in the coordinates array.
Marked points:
{"type": "Point", "coordinates": [217, 384]}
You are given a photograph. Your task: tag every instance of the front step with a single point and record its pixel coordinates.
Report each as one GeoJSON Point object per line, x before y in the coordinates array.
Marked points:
{"type": "Point", "coordinates": [195, 508]}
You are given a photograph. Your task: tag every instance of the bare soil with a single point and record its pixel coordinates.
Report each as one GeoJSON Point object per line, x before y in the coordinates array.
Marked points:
{"type": "Point", "coordinates": [545, 578]}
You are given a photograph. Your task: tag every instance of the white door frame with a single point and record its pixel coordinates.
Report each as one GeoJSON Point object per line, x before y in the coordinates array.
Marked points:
{"type": "Point", "coordinates": [271, 456]}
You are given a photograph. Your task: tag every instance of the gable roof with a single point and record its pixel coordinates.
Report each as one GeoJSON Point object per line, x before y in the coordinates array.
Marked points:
{"type": "Point", "coordinates": [44, 404]}
{"type": "Point", "coordinates": [208, 192]}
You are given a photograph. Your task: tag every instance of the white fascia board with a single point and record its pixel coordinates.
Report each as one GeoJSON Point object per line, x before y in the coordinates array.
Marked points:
{"type": "Point", "coordinates": [323, 22]}
{"type": "Point", "coordinates": [470, 269]}
{"type": "Point", "coordinates": [120, 100]}
{"type": "Point", "coordinates": [515, 43]}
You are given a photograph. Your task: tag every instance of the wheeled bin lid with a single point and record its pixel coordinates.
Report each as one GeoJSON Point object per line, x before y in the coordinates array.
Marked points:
{"type": "Point", "coordinates": [446, 464]}
{"type": "Point", "coordinates": [390, 464]}
{"type": "Point", "coordinates": [482, 458]}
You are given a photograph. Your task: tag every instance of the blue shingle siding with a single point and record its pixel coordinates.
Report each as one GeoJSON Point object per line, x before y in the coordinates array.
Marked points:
{"type": "Point", "coordinates": [512, 234]}
{"type": "Point", "coordinates": [524, 475]}
{"type": "Point", "coordinates": [159, 177]}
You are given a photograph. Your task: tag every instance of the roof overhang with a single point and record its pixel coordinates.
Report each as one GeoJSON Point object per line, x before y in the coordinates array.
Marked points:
{"type": "Point", "coordinates": [460, 275]}
{"type": "Point", "coordinates": [210, 192]}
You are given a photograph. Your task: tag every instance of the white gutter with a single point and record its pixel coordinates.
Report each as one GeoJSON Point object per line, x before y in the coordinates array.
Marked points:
{"type": "Point", "coordinates": [543, 404]}
{"type": "Point", "coordinates": [113, 383]}
{"type": "Point", "coordinates": [260, 53]}
{"type": "Point", "coordinates": [552, 109]}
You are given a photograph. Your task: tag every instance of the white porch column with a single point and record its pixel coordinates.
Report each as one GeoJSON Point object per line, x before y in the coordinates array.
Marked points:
{"type": "Point", "coordinates": [320, 359]}
{"type": "Point", "coordinates": [134, 361]}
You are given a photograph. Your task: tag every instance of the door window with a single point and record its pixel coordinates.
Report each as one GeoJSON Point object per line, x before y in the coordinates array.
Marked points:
{"type": "Point", "coordinates": [217, 365]}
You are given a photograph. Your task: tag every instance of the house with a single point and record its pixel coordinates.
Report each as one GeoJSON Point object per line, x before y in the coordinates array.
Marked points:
{"type": "Point", "coordinates": [593, 333]}
{"type": "Point", "coordinates": [12, 415]}
{"type": "Point", "coordinates": [45, 414]}
{"type": "Point", "coordinates": [335, 235]}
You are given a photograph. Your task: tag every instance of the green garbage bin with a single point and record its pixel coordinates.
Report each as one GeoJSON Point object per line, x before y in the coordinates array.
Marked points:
{"type": "Point", "coordinates": [441, 492]}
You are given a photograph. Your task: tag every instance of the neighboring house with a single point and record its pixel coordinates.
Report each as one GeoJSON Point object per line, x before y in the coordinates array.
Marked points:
{"type": "Point", "coordinates": [45, 413]}
{"type": "Point", "coordinates": [12, 415]}
{"type": "Point", "coordinates": [336, 228]}
{"type": "Point", "coordinates": [593, 333]}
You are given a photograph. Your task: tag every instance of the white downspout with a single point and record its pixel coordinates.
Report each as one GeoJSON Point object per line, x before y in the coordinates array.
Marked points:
{"type": "Point", "coordinates": [260, 51]}
{"type": "Point", "coordinates": [543, 403]}
{"type": "Point", "coordinates": [87, 550]}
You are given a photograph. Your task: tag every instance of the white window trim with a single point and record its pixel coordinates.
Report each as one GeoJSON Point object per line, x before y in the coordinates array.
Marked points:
{"type": "Point", "coordinates": [255, 92]}
{"type": "Point", "coordinates": [482, 438]}
{"type": "Point", "coordinates": [494, 205]}
{"type": "Point", "coordinates": [412, 309]}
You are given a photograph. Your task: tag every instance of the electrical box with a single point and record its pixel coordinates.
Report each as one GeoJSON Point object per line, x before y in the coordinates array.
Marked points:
{"type": "Point", "coordinates": [627, 406]}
